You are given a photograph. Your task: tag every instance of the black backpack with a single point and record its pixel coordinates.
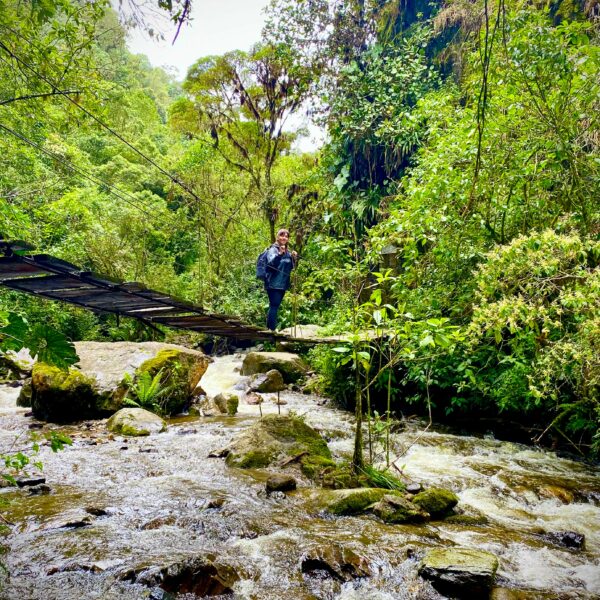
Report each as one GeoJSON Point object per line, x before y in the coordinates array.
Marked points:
{"type": "Point", "coordinates": [261, 266]}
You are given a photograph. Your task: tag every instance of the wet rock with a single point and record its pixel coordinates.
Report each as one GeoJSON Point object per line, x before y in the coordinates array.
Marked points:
{"type": "Point", "coordinates": [395, 509]}
{"type": "Point", "coordinates": [24, 397]}
{"type": "Point", "coordinates": [467, 520]}
{"type": "Point", "coordinates": [269, 382]}
{"type": "Point", "coordinates": [438, 502]}
{"type": "Point", "coordinates": [275, 438]}
{"type": "Point", "coordinates": [413, 488]}
{"type": "Point", "coordinates": [159, 522]}
{"type": "Point", "coordinates": [30, 481]}
{"type": "Point", "coordinates": [189, 431]}
{"type": "Point", "coordinates": [227, 403]}
{"type": "Point", "coordinates": [557, 492]}
{"type": "Point", "coordinates": [15, 365]}
{"type": "Point", "coordinates": [73, 519]}
{"type": "Point", "coordinates": [97, 511]}
{"type": "Point", "coordinates": [215, 503]}
{"type": "Point", "coordinates": [460, 572]}
{"type": "Point", "coordinates": [158, 594]}
{"type": "Point", "coordinates": [291, 366]}
{"type": "Point", "coordinates": [220, 453]}
{"type": "Point", "coordinates": [200, 576]}
{"type": "Point", "coordinates": [280, 482]}
{"type": "Point", "coordinates": [253, 398]}
{"type": "Point", "coordinates": [567, 539]}
{"type": "Point", "coordinates": [62, 396]}
{"type": "Point", "coordinates": [349, 502]}
{"type": "Point", "coordinates": [39, 490]}
{"type": "Point", "coordinates": [340, 563]}
{"type": "Point", "coordinates": [135, 422]}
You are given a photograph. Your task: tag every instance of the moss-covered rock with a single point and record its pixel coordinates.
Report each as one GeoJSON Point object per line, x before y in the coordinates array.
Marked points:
{"type": "Point", "coordinates": [460, 572]}
{"type": "Point", "coordinates": [349, 502]}
{"type": "Point", "coordinates": [395, 509]}
{"type": "Point", "coordinates": [24, 397]}
{"type": "Point", "coordinates": [436, 501]}
{"type": "Point", "coordinates": [275, 438]}
{"type": "Point", "coordinates": [15, 366]}
{"type": "Point", "coordinates": [62, 396]}
{"type": "Point", "coordinates": [291, 366]}
{"type": "Point", "coordinates": [181, 372]}
{"type": "Point", "coordinates": [133, 422]}
{"type": "Point", "coordinates": [314, 467]}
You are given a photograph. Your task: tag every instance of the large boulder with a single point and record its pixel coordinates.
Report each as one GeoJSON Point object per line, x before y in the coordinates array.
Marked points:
{"type": "Point", "coordinates": [97, 387]}
{"type": "Point", "coordinates": [273, 439]}
{"type": "Point", "coordinates": [109, 362]}
{"type": "Point", "coordinates": [135, 422]}
{"type": "Point", "coordinates": [291, 366]}
{"type": "Point", "coordinates": [62, 396]}
{"type": "Point", "coordinates": [181, 369]}
{"type": "Point", "coordinates": [460, 572]}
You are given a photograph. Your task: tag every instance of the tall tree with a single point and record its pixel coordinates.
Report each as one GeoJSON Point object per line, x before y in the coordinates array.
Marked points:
{"type": "Point", "coordinates": [243, 101]}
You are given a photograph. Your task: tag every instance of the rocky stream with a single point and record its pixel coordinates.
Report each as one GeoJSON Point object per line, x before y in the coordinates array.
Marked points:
{"type": "Point", "coordinates": [158, 517]}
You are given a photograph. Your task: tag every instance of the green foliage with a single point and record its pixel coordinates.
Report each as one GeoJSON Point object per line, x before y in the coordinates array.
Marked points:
{"type": "Point", "coordinates": [382, 479]}
{"type": "Point", "coordinates": [50, 346]}
{"type": "Point", "coordinates": [16, 463]}
{"type": "Point", "coordinates": [146, 390]}
{"type": "Point", "coordinates": [535, 318]}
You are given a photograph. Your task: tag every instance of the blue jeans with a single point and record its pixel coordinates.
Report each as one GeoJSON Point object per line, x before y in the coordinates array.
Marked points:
{"type": "Point", "coordinates": [275, 298]}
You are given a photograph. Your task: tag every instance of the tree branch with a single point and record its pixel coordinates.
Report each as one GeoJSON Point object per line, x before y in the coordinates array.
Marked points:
{"type": "Point", "coordinates": [30, 96]}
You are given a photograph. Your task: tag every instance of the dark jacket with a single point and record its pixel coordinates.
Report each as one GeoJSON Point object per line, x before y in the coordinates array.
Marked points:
{"type": "Point", "coordinates": [279, 267]}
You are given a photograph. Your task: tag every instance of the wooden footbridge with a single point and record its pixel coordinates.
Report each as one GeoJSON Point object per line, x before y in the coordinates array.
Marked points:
{"type": "Point", "coordinates": [55, 279]}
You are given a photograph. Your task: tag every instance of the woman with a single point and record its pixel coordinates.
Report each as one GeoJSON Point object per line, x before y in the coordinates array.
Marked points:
{"type": "Point", "coordinates": [280, 262]}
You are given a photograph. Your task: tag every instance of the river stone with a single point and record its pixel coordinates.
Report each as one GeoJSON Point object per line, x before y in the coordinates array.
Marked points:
{"type": "Point", "coordinates": [271, 381]}
{"type": "Point", "coordinates": [350, 501]}
{"type": "Point", "coordinates": [273, 438]}
{"type": "Point", "coordinates": [567, 539]}
{"type": "Point", "coordinates": [460, 572]}
{"type": "Point", "coordinates": [108, 362]}
{"type": "Point", "coordinates": [253, 398]}
{"type": "Point", "coordinates": [227, 403]}
{"type": "Point", "coordinates": [395, 509]}
{"type": "Point", "coordinates": [341, 563]}
{"type": "Point", "coordinates": [436, 501]}
{"type": "Point", "coordinates": [280, 482]}
{"type": "Point", "coordinates": [198, 576]}
{"type": "Point", "coordinates": [135, 422]}
{"type": "Point", "coordinates": [291, 366]}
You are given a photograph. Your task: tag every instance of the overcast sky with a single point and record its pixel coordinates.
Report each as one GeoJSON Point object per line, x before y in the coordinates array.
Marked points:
{"type": "Point", "coordinates": [217, 27]}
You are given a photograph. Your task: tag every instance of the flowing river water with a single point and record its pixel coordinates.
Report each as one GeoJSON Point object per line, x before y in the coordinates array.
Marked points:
{"type": "Point", "coordinates": [147, 502]}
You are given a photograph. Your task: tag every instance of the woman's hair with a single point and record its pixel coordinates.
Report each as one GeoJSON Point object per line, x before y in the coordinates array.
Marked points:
{"type": "Point", "coordinates": [283, 230]}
